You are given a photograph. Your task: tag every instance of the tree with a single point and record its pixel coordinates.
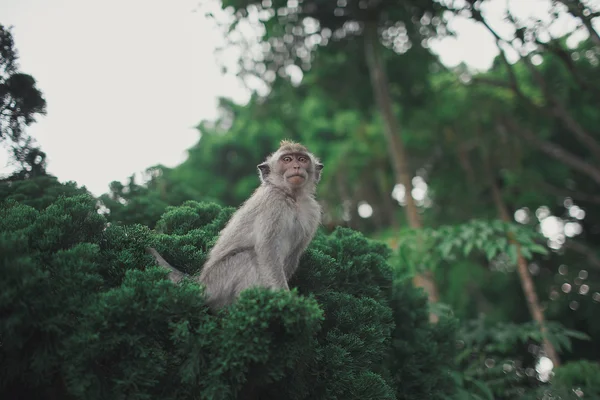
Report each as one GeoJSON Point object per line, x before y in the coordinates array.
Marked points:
{"type": "Point", "coordinates": [550, 90]}
{"type": "Point", "coordinates": [220, 165]}
{"type": "Point", "coordinates": [144, 203]}
{"type": "Point", "coordinates": [85, 312]}
{"type": "Point", "coordinates": [292, 30]}
{"type": "Point", "coordinates": [20, 102]}
{"type": "Point", "coordinates": [38, 192]}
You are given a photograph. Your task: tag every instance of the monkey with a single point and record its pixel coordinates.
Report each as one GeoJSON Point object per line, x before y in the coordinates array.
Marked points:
{"type": "Point", "coordinates": [262, 242]}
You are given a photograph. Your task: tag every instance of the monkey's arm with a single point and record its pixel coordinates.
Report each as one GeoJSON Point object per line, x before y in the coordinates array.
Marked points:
{"type": "Point", "coordinates": [292, 261]}
{"type": "Point", "coordinates": [270, 246]}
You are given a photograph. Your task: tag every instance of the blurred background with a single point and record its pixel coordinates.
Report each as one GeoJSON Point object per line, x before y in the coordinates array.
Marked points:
{"type": "Point", "coordinates": [463, 133]}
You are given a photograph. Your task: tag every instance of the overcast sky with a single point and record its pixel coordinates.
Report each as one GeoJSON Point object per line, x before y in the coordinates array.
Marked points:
{"type": "Point", "coordinates": [126, 81]}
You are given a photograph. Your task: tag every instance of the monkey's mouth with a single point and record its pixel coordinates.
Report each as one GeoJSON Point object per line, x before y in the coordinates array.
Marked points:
{"type": "Point", "coordinates": [296, 178]}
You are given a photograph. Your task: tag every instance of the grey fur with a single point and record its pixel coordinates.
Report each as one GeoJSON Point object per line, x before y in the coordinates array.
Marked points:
{"type": "Point", "coordinates": [264, 239]}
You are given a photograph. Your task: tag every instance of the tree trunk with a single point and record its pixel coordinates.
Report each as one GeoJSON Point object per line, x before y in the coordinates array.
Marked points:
{"type": "Point", "coordinates": [525, 278]}
{"type": "Point", "coordinates": [387, 203]}
{"type": "Point", "coordinates": [398, 154]}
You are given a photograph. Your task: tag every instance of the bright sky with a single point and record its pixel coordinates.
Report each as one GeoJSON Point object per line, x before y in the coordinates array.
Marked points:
{"type": "Point", "coordinates": [127, 81]}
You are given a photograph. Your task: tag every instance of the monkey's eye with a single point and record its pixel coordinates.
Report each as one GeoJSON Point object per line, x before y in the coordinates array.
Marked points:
{"type": "Point", "coordinates": [287, 159]}
{"type": "Point", "coordinates": [302, 159]}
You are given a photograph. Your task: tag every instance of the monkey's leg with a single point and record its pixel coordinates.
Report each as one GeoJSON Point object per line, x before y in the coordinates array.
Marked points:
{"type": "Point", "coordinates": [270, 266]}
{"type": "Point", "coordinates": [225, 280]}
{"type": "Point", "coordinates": [249, 273]}
{"type": "Point", "coordinates": [272, 278]}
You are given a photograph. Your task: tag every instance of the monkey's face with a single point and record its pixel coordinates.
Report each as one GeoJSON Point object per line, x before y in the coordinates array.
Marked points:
{"type": "Point", "coordinates": [291, 166]}
{"type": "Point", "coordinates": [294, 168]}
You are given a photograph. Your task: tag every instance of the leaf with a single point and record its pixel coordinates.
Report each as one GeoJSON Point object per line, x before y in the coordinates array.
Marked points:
{"type": "Point", "coordinates": [563, 342]}
{"type": "Point", "coordinates": [457, 377]}
{"type": "Point", "coordinates": [467, 248]}
{"type": "Point", "coordinates": [233, 25]}
{"type": "Point", "coordinates": [467, 232]}
{"type": "Point", "coordinates": [503, 244]}
{"type": "Point", "coordinates": [554, 340]}
{"type": "Point", "coordinates": [538, 248]}
{"type": "Point", "coordinates": [497, 225]}
{"type": "Point", "coordinates": [577, 335]}
{"type": "Point", "coordinates": [445, 249]}
{"type": "Point", "coordinates": [490, 250]}
{"type": "Point", "coordinates": [463, 354]}
{"type": "Point", "coordinates": [525, 252]}
{"type": "Point", "coordinates": [484, 388]}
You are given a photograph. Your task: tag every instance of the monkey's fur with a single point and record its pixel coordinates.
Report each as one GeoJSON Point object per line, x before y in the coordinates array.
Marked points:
{"type": "Point", "coordinates": [264, 239]}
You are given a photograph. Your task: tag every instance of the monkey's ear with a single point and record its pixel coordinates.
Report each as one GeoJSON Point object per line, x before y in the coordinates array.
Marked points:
{"type": "Point", "coordinates": [263, 171]}
{"type": "Point", "coordinates": [318, 168]}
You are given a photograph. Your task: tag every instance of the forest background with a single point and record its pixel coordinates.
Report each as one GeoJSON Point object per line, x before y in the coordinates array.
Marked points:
{"type": "Point", "coordinates": [483, 185]}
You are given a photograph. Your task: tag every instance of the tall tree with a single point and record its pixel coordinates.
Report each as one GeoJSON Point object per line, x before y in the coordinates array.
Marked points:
{"type": "Point", "coordinates": [292, 30]}
{"type": "Point", "coordinates": [20, 103]}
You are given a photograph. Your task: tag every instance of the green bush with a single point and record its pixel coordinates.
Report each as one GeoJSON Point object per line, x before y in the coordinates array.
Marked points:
{"type": "Point", "coordinates": [581, 377]}
{"type": "Point", "coordinates": [86, 314]}
{"type": "Point", "coordinates": [38, 192]}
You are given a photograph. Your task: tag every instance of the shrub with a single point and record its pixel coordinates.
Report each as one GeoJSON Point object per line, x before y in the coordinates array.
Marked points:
{"type": "Point", "coordinates": [86, 314]}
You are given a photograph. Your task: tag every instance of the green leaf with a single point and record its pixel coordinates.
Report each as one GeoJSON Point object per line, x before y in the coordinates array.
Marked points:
{"type": "Point", "coordinates": [526, 253]}
{"type": "Point", "coordinates": [467, 248]}
{"type": "Point", "coordinates": [577, 334]}
{"type": "Point", "coordinates": [503, 244]}
{"type": "Point", "coordinates": [445, 249]}
{"type": "Point", "coordinates": [539, 249]}
{"type": "Point", "coordinates": [484, 388]}
{"type": "Point", "coordinates": [490, 250]}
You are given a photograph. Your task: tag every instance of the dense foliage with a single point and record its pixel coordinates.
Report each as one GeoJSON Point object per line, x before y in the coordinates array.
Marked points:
{"type": "Point", "coordinates": [502, 164]}
{"type": "Point", "coordinates": [20, 103]}
{"type": "Point", "coordinates": [86, 314]}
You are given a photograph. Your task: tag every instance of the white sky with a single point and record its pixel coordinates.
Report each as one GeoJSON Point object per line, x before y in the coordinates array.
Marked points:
{"type": "Point", "coordinates": [127, 80]}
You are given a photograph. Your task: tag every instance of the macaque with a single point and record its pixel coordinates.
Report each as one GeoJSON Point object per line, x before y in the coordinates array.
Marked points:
{"type": "Point", "coordinates": [262, 243]}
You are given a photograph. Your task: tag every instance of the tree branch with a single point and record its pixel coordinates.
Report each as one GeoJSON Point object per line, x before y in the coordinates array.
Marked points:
{"type": "Point", "coordinates": [557, 109]}
{"type": "Point", "coordinates": [580, 196]}
{"type": "Point", "coordinates": [533, 303]}
{"type": "Point", "coordinates": [554, 47]}
{"type": "Point", "coordinates": [494, 82]}
{"type": "Point", "coordinates": [575, 8]}
{"type": "Point", "coordinates": [591, 255]}
{"type": "Point", "coordinates": [554, 150]}
{"type": "Point", "coordinates": [175, 275]}
{"type": "Point", "coordinates": [513, 77]}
